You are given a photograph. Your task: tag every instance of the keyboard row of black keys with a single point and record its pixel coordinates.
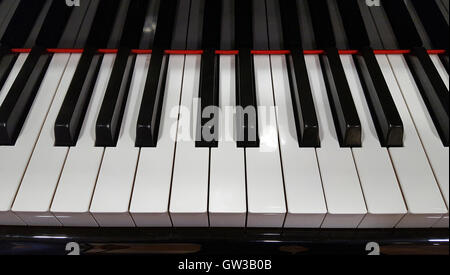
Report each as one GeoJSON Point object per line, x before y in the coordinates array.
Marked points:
{"type": "Point", "coordinates": [244, 25]}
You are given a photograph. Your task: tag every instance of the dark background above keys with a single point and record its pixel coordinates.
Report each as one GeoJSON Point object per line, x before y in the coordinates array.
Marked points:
{"type": "Point", "coordinates": [265, 23]}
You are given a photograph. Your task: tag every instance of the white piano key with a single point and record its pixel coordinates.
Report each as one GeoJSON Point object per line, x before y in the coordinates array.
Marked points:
{"type": "Point", "coordinates": [265, 187]}
{"type": "Point", "coordinates": [150, 202]}
{"type": "Point", "coordinates": [14, 159]}
{"type": "Point", "coordinates": [343, 194]}
{"type": "Point", "coordinates": [304, 192]}
{"type": "Point", "coordinates": [189, 197]}
{"type": "Point", "coordinates": [440, 68]}
{"type": "Point", "coordinates": [384, 201]}
{"type": "Point", "coordinates": [74, 192]}
{"type": "Point", "coordinates": [227, 190]}
{"type": "Point", "coordinates": [34, 198]}
{"type": "Point", "coordinates": [437, 154]}
{"type": "Point", "coordinates": [420, 189]}
{"type": "Point", "coordinates": [112, 195]}
{"type": "Point", "coordinates": [7, 10]}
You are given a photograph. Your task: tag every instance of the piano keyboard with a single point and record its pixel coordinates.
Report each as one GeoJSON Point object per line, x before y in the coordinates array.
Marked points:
{"type": "Point", "coordinates": [349, 127]}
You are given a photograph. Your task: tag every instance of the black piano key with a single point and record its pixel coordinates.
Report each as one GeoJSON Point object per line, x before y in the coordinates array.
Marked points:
{"type": "Point", "coordinates": [246, 115]}
{"type": "Point", "coordinates": [433, 21]}
{"type": "Point", "coordinates": [195, 27]}
{"type": "Point", "coordinates": [274, 25]}
{"type": "Point", "coordinates": [22, 22]}
{"type": "Point", "coordinates": [385, 115]}
{"type": "Point", "coordinates": [402, 24]}
{"type": "Point", "coordinates": [290, 23]}
{"type": "Point", "coordinates": [247, 112]}
{"type": "Point", "coordinates": [151, 20]}
{"type": "Point", "coordinates": [86, 25]}
{"type": "Point", "coordinates": [306, 27]}
{"type": "Point", "coordinates": [353, 24]}
{"type": "Point", "coordinates": [55, 23]}
{"type": "Point", "coordinates": [103, 25]}
{"type": "Point", "coordinates": [212, 25]}
{"type": "Point", "coordinates": [303, 104]}
{"type": "Point", "coordinates": [37, 27]}
{"type": "Point", "coordinates": [180, 29]}
{"type": "Point", "coordinates": [259, 18]}
{"type": "Point", "coordinates": [134, 24]}
{"type": "Point", "coordinates": [118, 26]}
{"type": "Point", "coordinates": [149, 118]}
{"type": "Point", "coordinates": [71, 115]}
{"type": "Point", "coordinates": [6, 64]}
{"type": "Point", "coordinates": [370, 25]}
{"type": "Point", "coordinates": [17, 103]}
{"type": "Point", "coordinates": [348, 125]}
{"type": "Point", "coordinates": [207, 135]}
{"type": "Point", "coordinates": [207, 130]}
{"type": "Point", "coordinates": [433, 90]}
{"type": "Point", "coordinates": [337, 25]}
{"type": "Point", "coordinates": [165, 25]}
{"type": "Point", "coordinates": [243, 24]}
{"type": "Point", "coordinates": [7, 10]}
{"type": "Point", "coordinates": [383, 28]}
{"type": "Point", "coordinates": [320, 18]}
{"type": "Point", "coordinates": [111, 112]}
{"type": "Point", "coordinates": [227, 39]}
{"type": "Point", "coordinates": [5, 6]}
{"type": "Point", "coordinates": [73, 29]}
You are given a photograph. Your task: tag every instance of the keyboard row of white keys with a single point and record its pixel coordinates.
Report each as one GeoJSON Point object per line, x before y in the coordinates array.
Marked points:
{"type": "Point", "coordinates": [149, 205]}
{"type": "Point", "coordinates": [76, 185]}
{"type": "Point", "coordinates": [420, 189]}
{"type": "Point", "coordinates": [34, 198]}
{"type": "Point", "coordinates": [198, 170]}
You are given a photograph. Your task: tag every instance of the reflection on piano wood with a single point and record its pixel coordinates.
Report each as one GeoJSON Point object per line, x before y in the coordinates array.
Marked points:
{"type": "Point", "coordinates": [226, 241]}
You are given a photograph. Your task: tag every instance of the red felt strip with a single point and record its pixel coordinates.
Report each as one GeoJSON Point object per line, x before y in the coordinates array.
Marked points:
{"type": "Point", "coordinates": [234, 52]}
{"type": "Point", "coordinates": [183, 51]}
{"type": "Point", "coordinates": [227, 52]}
{"type": "Point", "coordinates": [271, 52]}
{"type": "Point", "coordinates": [142, 51]}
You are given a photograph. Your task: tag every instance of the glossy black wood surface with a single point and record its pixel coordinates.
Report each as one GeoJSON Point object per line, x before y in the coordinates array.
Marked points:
{"type": "Point", "coordinates": [204, 241]}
